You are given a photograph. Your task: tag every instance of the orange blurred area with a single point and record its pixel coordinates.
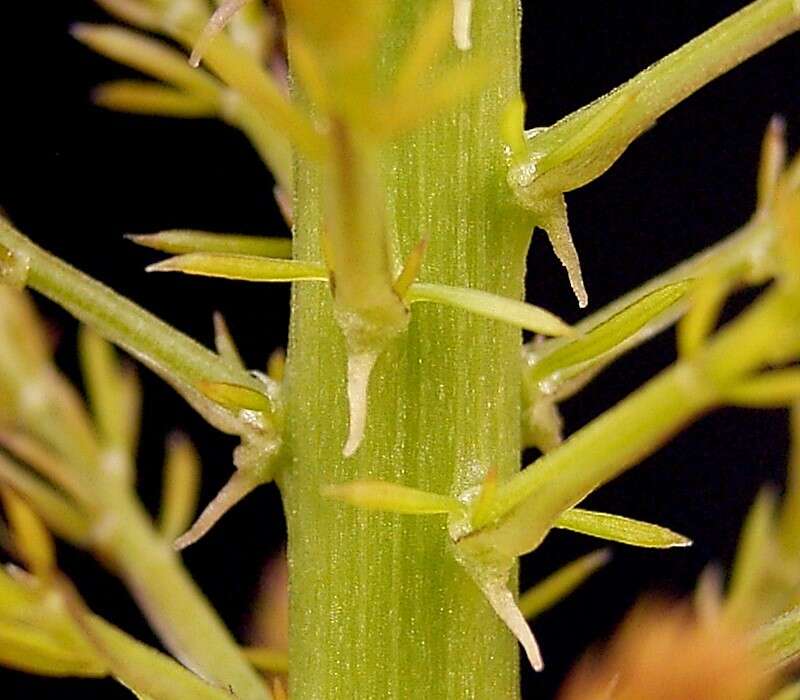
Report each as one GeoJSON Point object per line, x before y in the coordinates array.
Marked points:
{"type": "Point", "coordinates": [663, 652]}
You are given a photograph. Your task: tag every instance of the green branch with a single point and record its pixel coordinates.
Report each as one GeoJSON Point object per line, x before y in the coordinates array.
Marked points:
{"type": "Point", "coordinates": [583, 145]}
{"type": "Point", "coordinates": [579, 148]}
{"type": "Point", "coordinates": [716, 51]}
{"type": "Point", "coordinates": [526, 506]}
{"type": "Point", "coordinates": [45, 627]}
{"type": "Point", "coordinates": [168, 352]}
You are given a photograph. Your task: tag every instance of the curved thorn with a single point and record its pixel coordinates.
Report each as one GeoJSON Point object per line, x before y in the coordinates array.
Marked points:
{"type": "Point", "coordinates": [239, 486]}
{"type": "Point", "coordinates": [557, 228]}
{"type": "Point", "coordinates": [216, 24]}
{"type": "Point", "coordinates": [359, 369]}
{"type": "Point", "coordinates": [462, 19]}
{"type": "Point", "coordinates": [248, 268]}
{"type": "Point", "coordinates": [503, 603]}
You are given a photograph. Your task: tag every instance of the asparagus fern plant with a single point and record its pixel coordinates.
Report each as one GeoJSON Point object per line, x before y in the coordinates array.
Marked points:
{"type": "Point", "coordinates": [411, 183]}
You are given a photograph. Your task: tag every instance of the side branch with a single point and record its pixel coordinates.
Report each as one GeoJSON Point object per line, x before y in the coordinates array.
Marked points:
{"type": "Point", "coordinates": [547, 162]}
{"type": "Point", "coordinates": [582, 145]}
{"type": "Point", "coordinates": [168, 352]}
{"type": "Point", "coordinates": [624, 435]}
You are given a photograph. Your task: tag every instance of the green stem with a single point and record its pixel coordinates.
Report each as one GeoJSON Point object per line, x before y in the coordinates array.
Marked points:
{"type": "Point", "coordinates": [379, 606]}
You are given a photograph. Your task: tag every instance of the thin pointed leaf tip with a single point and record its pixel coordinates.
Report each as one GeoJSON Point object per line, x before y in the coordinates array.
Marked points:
{"type": "Point", "coordinates": [32, 542]}
{"type": "Point", "coordinates": [498, 308]}
{"type": "Point", "coordinates": [181, 241]}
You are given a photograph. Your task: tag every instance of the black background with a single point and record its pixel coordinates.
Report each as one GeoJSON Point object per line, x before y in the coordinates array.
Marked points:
{"type": "Point", "coordinates": [75, 178]}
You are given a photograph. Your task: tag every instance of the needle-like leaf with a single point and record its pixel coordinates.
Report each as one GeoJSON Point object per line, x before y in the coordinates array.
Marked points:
{"type": "Point", "coordinates": [149, 56]}
{"type": "Point", "coordinates": [411, 269]}
{"type": "Point", "coordinates": [773, 162]}
{"type": "Point", "coordinates": [47, 464]}
{"type": "Point", "coordinates": [559, 585]}
{"type": "Point", "coordinates": [429, 40]}
{"type": "Point", "coordinates": [174, 356]}
{"type": "Point", "coordinates": [707, 300]}
{"type": "Point", "coordinates": [756, 549]}
{"type": "Point", "coordinates": [138, 97]}
{"type": "Point", "coordinates": [235, 397]}
{"type": "Point", "coordinates": [102, 374]}
{"type": "Point", "coordinates": [476, 301]}
{"type": "Point", "coordinates": [617, 528]}
{"type": "Point", "coordinates": [777, 388]}
{"type": "Point", "coordinates": [32, 542]}
{"type": "Point", "coordinates": [137, 665]}
{"type": "Point", "coordinates": [181, 487]}
{"type": "Point", "coordinates": [267, 660]}
{"type": "Point", "coordinates": [779, 639]}
{"type": "Point", "coordinates": [609, 336]}
{"type": "Point", "coordinates": [31, 650]}
{"type": "Point", "coordinates": [249, 268]}
{"type": "Point", "coordinates": [394, 498]}
{"type": "Point", "coordinates": [481, 506]}
{"type": "Point", "coordinates": [276, 365]}
{"type": "Point", "coordinates": [401, 113]}
{"type": "Point", "coordinates": [180, 241]}
{"type": "Point", "coordinates": [224, 342]}
{"type": "Point", "coordinates": [61, 515]}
